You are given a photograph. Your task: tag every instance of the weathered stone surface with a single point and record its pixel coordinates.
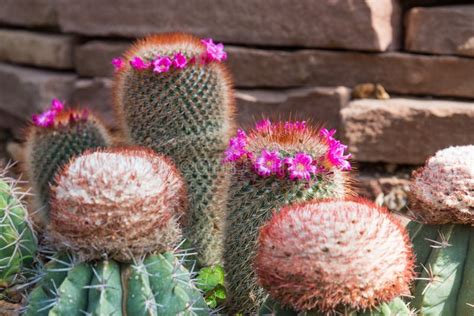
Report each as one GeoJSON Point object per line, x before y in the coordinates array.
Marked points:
{"type": "Point", "coordinates": [317, 104]}
{"type": "Point", "coordinates": [405, 131]}
{"type": "Point", "coordinates": [397, 72]}
{"type": "Point", "coordinates": [441, 30]}
{"type": "Point", "coordinates": [28, 12]}
{"type": "Point", "coordinates": [24, 91]}
{"type": "Point", "coordinates": [38, 49]}
{"type": "Point", "coordinates": [95, 94]}
{"type": "Point", "coordinates": [363, 24]}
{"type": "Point", "coordinates": [93, 59]}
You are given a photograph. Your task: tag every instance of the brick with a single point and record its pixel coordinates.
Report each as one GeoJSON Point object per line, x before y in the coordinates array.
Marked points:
{"type": "Point", "coordinates": [441, 30]}
{"type": "Point", "coordinates": [405, 131]}
{"type": "Point", "coordinates": [35, 13]}
{"type": "Point", "coordinates": [398, 72]}
{"type": "Point", "coordinates": [37, 49]}
{"type": "Point", "coordinates": [362, 25]}
{"type": "Point", "coordinates": [93, 59]}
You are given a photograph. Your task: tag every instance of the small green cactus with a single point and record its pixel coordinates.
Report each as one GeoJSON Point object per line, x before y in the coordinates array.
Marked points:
{"type": "Point", "coordinates": [275, 165]}
{"type": "Point", "coordinates": [441, 198]}
{"type": "Point", "coordinates": [18, 244]}
{"type": "Point", "coordinates": [57, 136]}
{"type": "Point", "coordinates": [155, 285]}
{"type": "Point", "coordinates": [173, 94]}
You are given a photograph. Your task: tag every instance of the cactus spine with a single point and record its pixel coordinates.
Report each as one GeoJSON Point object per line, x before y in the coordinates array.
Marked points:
{"type": "Point", "coordinates": [173, 95]}
{"type": "Point", "coordinates": [57, 136]}
{"type": "Point", "coordinates": [442, 199]}
{"type": "Point", "coordinates": [156, 285]}
{"type": "Point", "coordinates": [334, 256]}
{"type": "Point", "coordinates": [275, 165]}
{"type": "Point", "coordinates": [18, 244]}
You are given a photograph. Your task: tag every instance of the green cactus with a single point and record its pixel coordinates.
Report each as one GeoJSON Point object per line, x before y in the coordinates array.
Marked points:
{"type": "Point", "coordinates": [18, 244]}
{"type": "Point", "coordinates": [48, 148]}
{"type": "Point", "coordinates": [156, 285]}
{"type": "Point", "coordinates": [185, 113]}
{"type": "Point", "coordinates": [254, 197]}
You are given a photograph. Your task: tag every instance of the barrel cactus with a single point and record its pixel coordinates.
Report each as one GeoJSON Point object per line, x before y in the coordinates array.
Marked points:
{"type": "Point", "coordinates": [173, 94]}
{"type": "Point", "coordinates": [442, 200]}
{"type": "Point", "coordinates": [122, 202]}
{"type": "Point", "coordinates": [274, 165]}
{"type": "Point", "coordinates": [18, 244]}
{"type": "Point", "coordinates": [155, 285]}
{"type": "Point", "coordinates": [334, 256]}
{"type": "Point", "coordinates": [56, 136]}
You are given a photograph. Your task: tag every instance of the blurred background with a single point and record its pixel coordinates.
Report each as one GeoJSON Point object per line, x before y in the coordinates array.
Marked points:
{"type": "Point", "coordinates": [395, 78]}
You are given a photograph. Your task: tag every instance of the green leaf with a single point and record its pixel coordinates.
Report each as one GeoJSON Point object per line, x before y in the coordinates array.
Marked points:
{"type": "Point", "coordinates": [220, 293]}
{"type": "Point", "coordinates": [210, 277]}
{"type": "Point", "coordinates": [211, 302]}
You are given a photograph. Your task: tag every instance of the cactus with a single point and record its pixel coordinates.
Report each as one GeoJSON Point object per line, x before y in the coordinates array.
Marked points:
{"type": "Point", "coordinates": [18, 243]}
{"type": "Point", "coordinates": [56, 136]}
{"type": "Point", "coordinates": [442, 199]}
{"type": "Point", "coordinates": [173, 94]}
{"type": "Point", "coordinates": [155, 285]}
{"type": "Point", "coordinates": [275, 165]}
{"type": "Point", "coordinates": [122, 202]}
{"type": "Point", "coordinates": [334, 256]}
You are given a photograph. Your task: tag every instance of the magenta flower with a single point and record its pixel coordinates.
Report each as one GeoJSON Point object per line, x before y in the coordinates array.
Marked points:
{"type": "Point", "coordinates": [117, 63]}
{"type": "Point", "coordinates": [263, 125]}
{"type": "Point", "coordinates": [214, 51]}
{"type": "Point", "coordinates": [268, 163]}
{"type": "Point", "coordinates": [242, 135]}
{"type": "Point", "coordinates": [179, 61]}
{"type": "Point", "coordinates": [327, 135]}
{"type": "Point", "coordinates": [301, 166]}
{"type": "Point", "coordinates": [236, 147]}
{"type": "Point", "coordinates": [162, 64]}
{"type": "Point", "coordinates": [336, 155]}
{"type": "Point", "coordinates": [138, 63]}
{"type": "Point", "coordinates": [56, 106]}
{"type": "Point", "coordinates": [297, 125]}
{"type": "Point", "coordinates": [45, 119]}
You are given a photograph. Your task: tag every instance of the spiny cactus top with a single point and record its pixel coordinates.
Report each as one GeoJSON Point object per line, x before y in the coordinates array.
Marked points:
{"type": "Point", "coordinates": [331, 254]}
{"type": "Point", "coordinates": [443, 190]}
{"type": "Point", "coordinates": [122, 202]}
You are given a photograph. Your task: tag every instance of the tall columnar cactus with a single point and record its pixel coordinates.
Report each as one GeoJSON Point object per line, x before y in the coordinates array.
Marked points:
{"type": "Point", "coordinates": [18, 243]}
{"type": "Point", "coordinates": [56, 136]}
{"type": "Point", "coordinates": [173, 94]}
{"type": "Point", "coordinates": [442, 199]}
{"type": "Point", "coordinates": [335, 256]}
{"type": "Point", "coordinates": [155, 285]}
{"type": "Point", "coordinates": [122, 202]}
{"type": "Point", "coordinates": [275, 165]}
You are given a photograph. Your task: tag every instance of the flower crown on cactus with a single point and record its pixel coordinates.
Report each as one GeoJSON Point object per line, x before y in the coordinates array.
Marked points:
{"type": "Point", "coordinates": [262, 148]}
{"type": "Point", "coordinates": [56, 116]}
{"type": "Point", "coordinates": [214, 52]}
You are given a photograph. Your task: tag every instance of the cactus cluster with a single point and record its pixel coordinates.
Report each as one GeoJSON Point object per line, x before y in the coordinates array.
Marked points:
{"type": "Point", "coordinates": [173, 94]}
{"type": "Point", "coordinates": [442, 200]}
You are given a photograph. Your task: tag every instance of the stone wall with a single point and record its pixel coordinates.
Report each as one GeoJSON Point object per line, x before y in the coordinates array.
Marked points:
{"type": "Point", "coordinates": [288, 57]}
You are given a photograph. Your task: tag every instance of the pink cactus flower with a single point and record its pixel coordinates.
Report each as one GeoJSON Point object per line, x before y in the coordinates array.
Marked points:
{"type": "Point", "coordinates": [263, 125]}
{"type": "Point", "coordinates": [45, 119]}
{"type": "Point", "coordinates": [336, 155]}
{"type": "Point", "coordinates": [117, 63]}
{"type": "Point", "coordinates": [138, 64]}
{"type": "Point", "coordinates": [268, 163]}
{"type": "Point", "coordinates": [214, 51]}
{"type": "Point", "coordinates": [179, 61]}
{"type": "Point", "coordinates": [297, 125]}
{"type": "Point", "coordinates": [327, 134]}
{"type": "Point", "coordinates": [162, 64]}
{"type": "Point", "coordinates": [301, 166]}
{"type": "Point", "coordinates": [236, 147]}
{"type": "Point", "coordinates": [56, 106]}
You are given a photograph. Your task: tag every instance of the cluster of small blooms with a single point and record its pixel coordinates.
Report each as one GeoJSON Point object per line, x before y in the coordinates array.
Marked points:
{"type": "Point", "coordinates": [300, 166]}
{"type": "Point", "coordinates": [336, 150]}
{"type": "Point", "coordinates": [48, 117]}
{"type": "Point", "coordinates": [161, 64]}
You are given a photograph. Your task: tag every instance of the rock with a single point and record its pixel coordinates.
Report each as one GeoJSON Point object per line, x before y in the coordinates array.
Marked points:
{"type": "Point", "coordinates": [33, 13]}
{"type": "Point", "coordinates": [38, 49]}
{"type": "Point", "coordinates": [25, 91]}
{"type": "Point", "coordinates": [405, 131]}
{"type": "Point", "coordinates": [363, 25]}
{"type": "Point", "coordinates": [317, 104]}
{"type": "Point", "coordinates": [398, 72]}
{"type": "Point", "coordinates": [95, 94]}
{"type": "Point", "coordinates": [441, 30]}
{"type": "Point", "coordinates": [93, 59]}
